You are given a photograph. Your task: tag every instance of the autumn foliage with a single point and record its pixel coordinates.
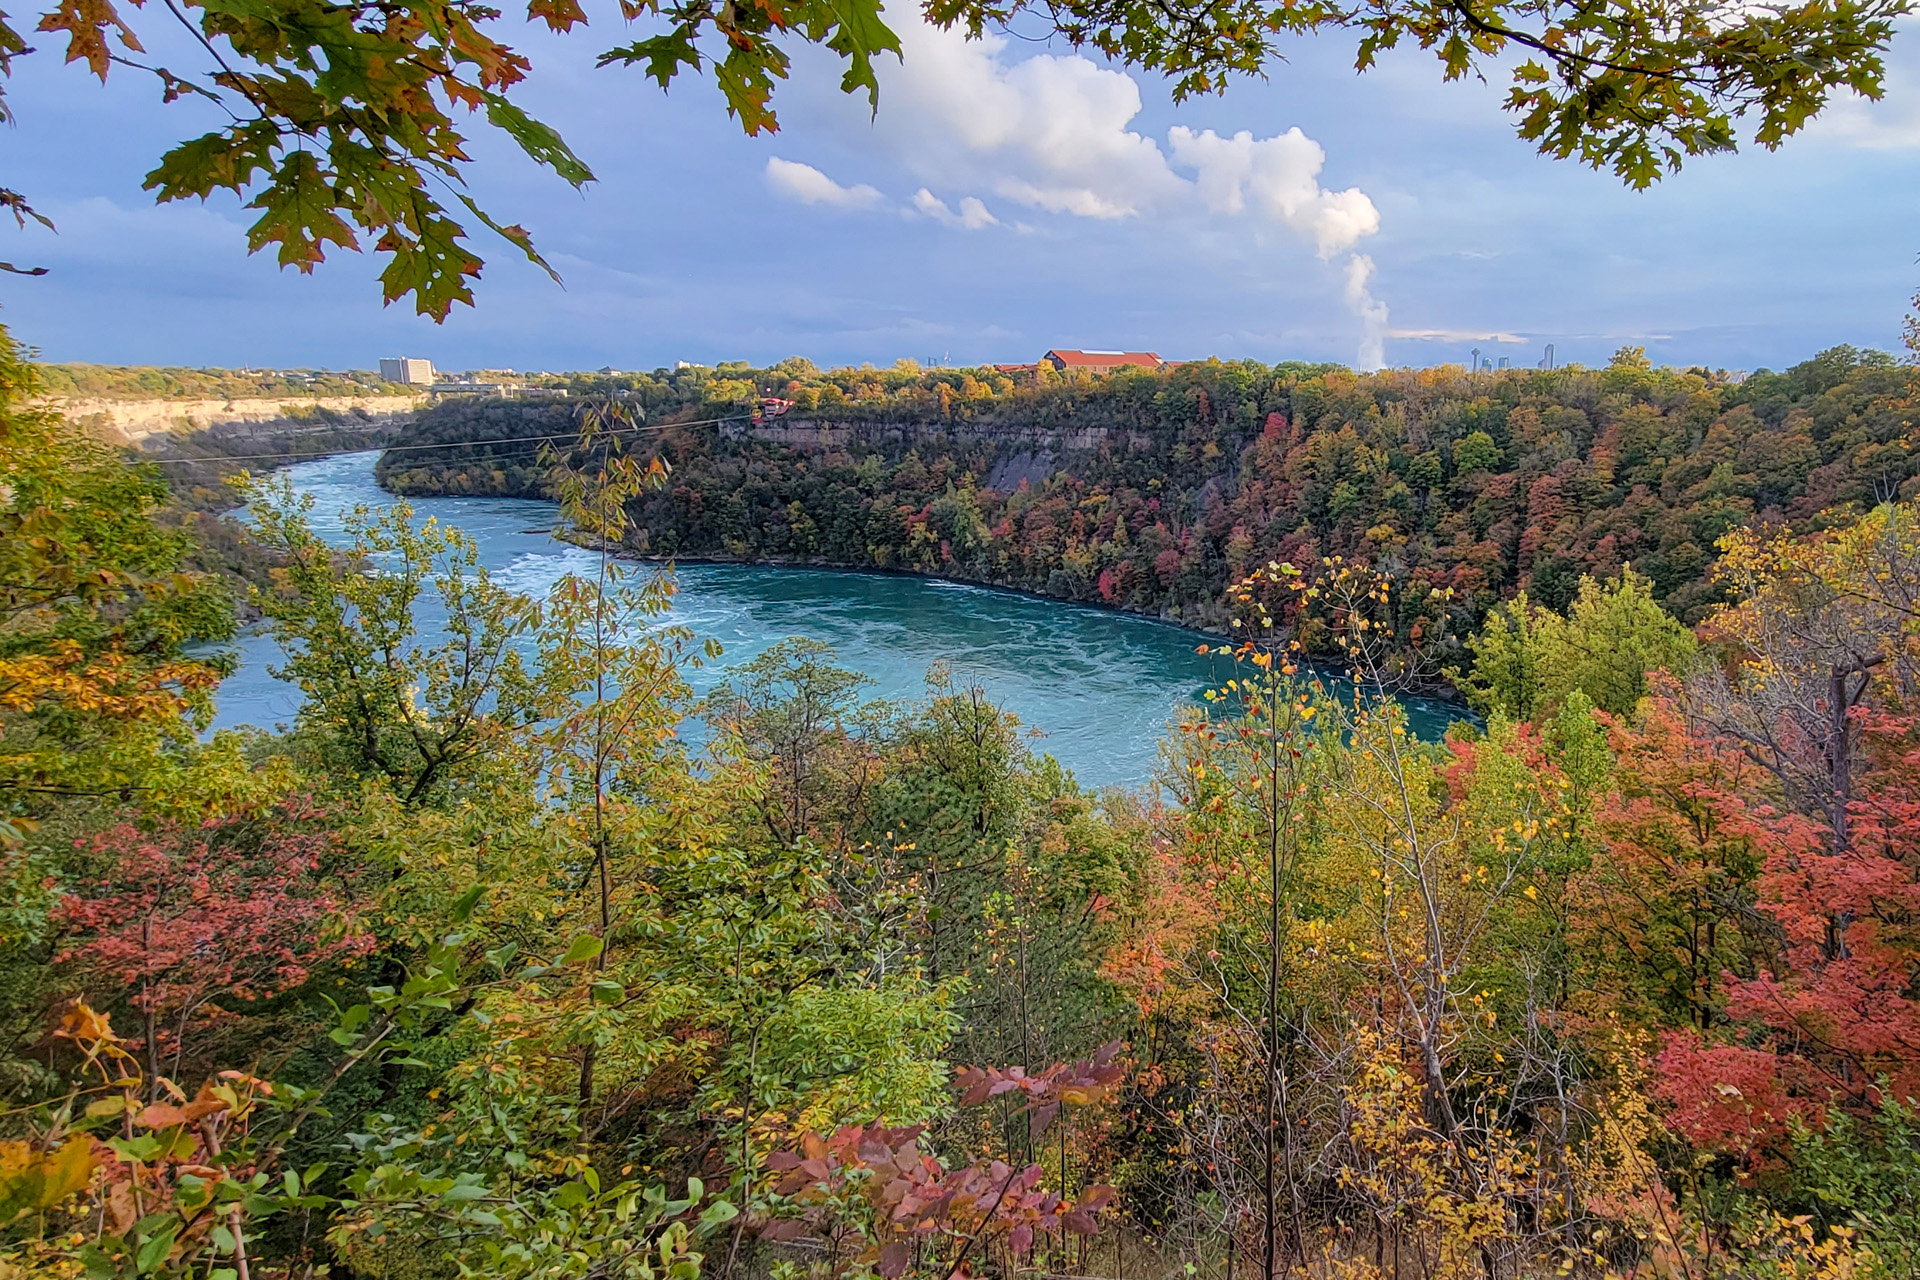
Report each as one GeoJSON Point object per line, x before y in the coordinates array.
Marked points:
{"type": "Point", "coordinates": [491, 964]}
{"type": "Point", "coordinates": [1834, 1019]}
{"type": "Point", "coordinates": [1159, 492]}
{"type": "Point", "coordinates": [193, 926]}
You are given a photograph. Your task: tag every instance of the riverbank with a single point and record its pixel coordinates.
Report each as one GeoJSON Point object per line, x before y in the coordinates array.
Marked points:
{"type": "Point", "coordinates": [823, 565]}
{"type": "Point", "coordinates": [1441, 695]}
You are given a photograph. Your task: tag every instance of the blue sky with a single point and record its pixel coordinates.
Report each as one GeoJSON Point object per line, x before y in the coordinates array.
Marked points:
{"type": "Point", "coordinates": [1009, 197]}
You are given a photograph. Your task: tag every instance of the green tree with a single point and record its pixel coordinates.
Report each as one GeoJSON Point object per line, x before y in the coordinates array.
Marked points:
{"type": "Point", "coordinates": [98, 692]}
{"type": "Point", "coordinates": [1527, 660]}
{"type": "Point", "coordinates": [798, 713]}
{"type": "Point", "coordinates": [1615, 636]}
{"type": "Point", "coordinates": [955, 516]}
{"type": "Point", "coordinates": [1477, 452]}
{"type": "Point", "coordinates": [379, 702]}
{"type": "Point", "coordinates": [1507, 654]}
{"type": "Point", "coordinates": [1867, 1177]}
{"type": "Point", "coordinates": [953, 801]}
{"type": "Point", "coordinates": [601, 643]}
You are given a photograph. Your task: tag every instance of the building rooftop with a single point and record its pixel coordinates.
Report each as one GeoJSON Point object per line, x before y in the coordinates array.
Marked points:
{"type": "Point", "coordinates": [1065, 359]}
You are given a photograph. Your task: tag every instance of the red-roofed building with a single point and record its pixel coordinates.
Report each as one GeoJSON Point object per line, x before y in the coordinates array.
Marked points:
{"type": "Point", "coordinates": [1101, 360]}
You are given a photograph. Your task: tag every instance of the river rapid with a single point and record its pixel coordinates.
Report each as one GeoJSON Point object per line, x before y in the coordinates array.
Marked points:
{"type": "Point", "coordinates": [1100, 687]}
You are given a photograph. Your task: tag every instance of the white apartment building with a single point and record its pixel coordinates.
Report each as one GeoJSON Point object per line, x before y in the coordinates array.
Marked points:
{"type": "Point", "coordinates": [409, 370]}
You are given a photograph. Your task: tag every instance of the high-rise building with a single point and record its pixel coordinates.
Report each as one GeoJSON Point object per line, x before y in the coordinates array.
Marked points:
{"type": "Point", "coordinates": [409, 370]}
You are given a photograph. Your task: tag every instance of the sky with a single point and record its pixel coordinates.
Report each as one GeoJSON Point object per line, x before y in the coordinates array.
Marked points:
{"type": "Point", "coordinates": [1008, 196]}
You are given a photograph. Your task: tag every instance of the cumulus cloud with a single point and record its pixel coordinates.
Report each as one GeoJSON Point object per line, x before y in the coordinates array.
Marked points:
{"type": "Point", "coordinates": [1280, 176]}
{"type": "Point", "coordinates": [1372, 313]}
{"type": "Point", "coordinates": [1052, 133]}
{"type": "Point", "coordinates": [808, 185]}
{"type": "Point", "coordinates": [972, 216]}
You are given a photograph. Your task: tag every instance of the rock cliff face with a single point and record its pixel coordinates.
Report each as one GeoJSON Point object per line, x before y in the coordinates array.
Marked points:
{"type": "Point", "coordinates": [135, 420]}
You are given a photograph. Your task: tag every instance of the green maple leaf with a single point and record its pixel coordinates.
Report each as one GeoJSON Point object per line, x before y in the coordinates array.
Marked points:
{"type": "Point", "coordinates": [431, 265]}
{"type": "Point", "coordinates": [663, 55]}
{"type": "Point", "coordinates": [859, 34]}
{"type": "Point", "coordinates": [297, 213]}
{"type": "Point", "coordinates": [746, 79]}
{"type": "Point", "coordinates": [514, 235]}
{"type": "Point", "coordinates": [225, 160]}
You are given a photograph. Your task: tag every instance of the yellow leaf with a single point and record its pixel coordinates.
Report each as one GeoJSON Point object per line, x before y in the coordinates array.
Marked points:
{"type": "Point", "coordinates": [31, 1180]}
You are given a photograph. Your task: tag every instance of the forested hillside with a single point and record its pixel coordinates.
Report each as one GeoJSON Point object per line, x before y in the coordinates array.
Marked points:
{"type": "Point", "coordinates": [1155, 492]}
{"type": "Point", "coordinates": [481, 969]}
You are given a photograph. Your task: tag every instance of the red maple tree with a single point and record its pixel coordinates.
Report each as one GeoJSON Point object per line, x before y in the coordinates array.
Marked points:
{"type": "Point", "coordinates": [1835, 1019]}
{"type": "Point", "coordinates": [186, 924]}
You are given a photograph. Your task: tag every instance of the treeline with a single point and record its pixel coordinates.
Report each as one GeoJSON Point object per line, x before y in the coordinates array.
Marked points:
{"type": "Point", "coordinates": [479, 969]}
{"type": "Point", "coordinates": [149, 382]}
{"type": "Point", "coordinates": [1156, 492]}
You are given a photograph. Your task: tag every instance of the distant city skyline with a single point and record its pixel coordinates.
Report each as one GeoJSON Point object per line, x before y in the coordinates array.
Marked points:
{"type": "Point", "coordinates": [1008, 198]}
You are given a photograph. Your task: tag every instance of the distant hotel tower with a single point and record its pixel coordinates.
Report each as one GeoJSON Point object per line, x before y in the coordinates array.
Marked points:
{"type": "Point", "coordinates": [409, 371]}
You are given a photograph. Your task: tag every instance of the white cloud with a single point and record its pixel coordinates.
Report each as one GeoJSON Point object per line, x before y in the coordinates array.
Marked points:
{"type": "Point", "coordinates": [972, 216]}
{"type": "Point", "coordinates": [1051, 130]}
{"type": "Point", "coordinates": [1373, 314]}
{"type": "Point", "coordinates": [1052, 133]}
{"type": "Point", "coordinates": [1884, 125]}
{"type": "Point", "coordinates": [1281, 177]}
{"type": "Point", "coordinates": [808, 185]}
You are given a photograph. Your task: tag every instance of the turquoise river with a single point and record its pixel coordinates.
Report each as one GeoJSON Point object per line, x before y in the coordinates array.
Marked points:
{"type": "Point", "coordinates": [1098, 687]}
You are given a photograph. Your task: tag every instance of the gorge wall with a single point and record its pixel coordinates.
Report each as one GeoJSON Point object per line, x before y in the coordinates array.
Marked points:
{"type": "Point", "coordinates": [135, 421]}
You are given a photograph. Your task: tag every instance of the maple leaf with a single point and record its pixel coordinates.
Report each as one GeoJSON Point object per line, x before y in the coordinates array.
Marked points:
{"type": "Point", "coordinates": [16, 204]}
{"type": "Point", "coordinates": [227, 160]}
{"type": "Point", "coordinates": [746, 80]}
{"type": "Point", "coordinates": [540, 141]}
{"type": "Point", "coordinates": [39, 1180]}
{"type": "Point", "coordinates": [86, 23]}
{"type": "Point", "coordinates": [431, 265]}
{"type": "Point", "coordinates": [858, 34]}
{"type": "Point", "coordinates": [297, 213]}
{"type": "Point", "coordinates": [559, 15]}
{"type": "Point", "coordinates": [663, 55]}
